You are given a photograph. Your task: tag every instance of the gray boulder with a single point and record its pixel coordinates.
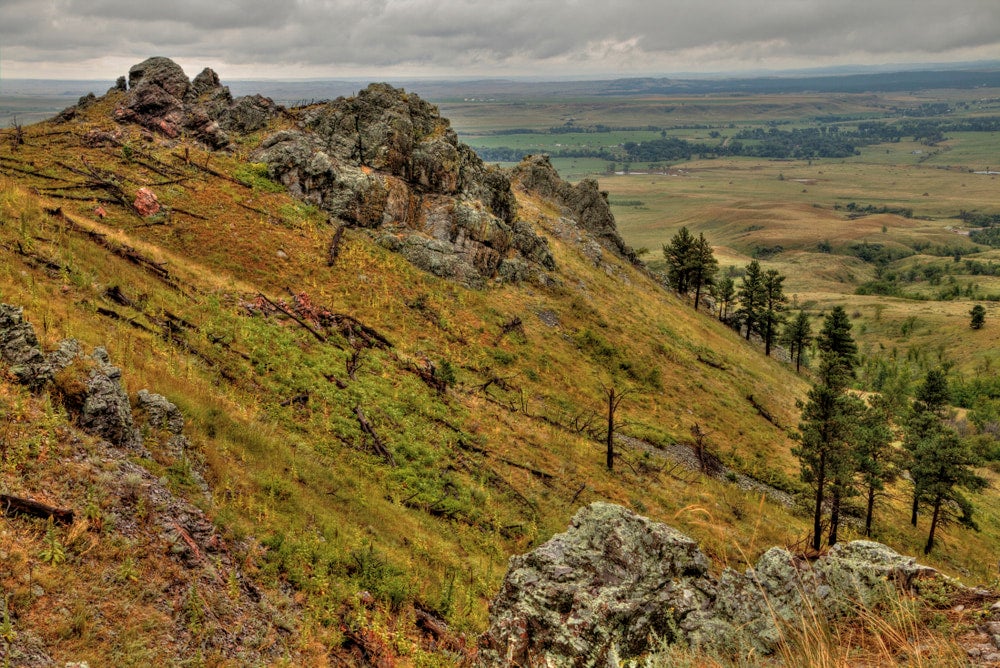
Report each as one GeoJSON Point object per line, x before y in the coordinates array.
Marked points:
{"type": "Point", "coordinates": [19, 349]}
{"type": "Point", "coordinates": [160, 412]}
{"type": "Point", "coordinates": [597, 593]}
{"type": "Point", "coordinates": [615, 583]}
{"type": "Point", "coordinates": [106, 410]}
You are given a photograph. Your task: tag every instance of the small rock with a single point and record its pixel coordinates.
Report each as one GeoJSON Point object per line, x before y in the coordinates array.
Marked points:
{"type": "Point", "coordinates": [146, 202]}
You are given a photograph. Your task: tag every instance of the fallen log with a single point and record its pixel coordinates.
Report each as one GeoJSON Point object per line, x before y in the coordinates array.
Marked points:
{"type": "Point", "coordinates": [377, 443]}
{"type": "Point", "coordinates": [14, 505]}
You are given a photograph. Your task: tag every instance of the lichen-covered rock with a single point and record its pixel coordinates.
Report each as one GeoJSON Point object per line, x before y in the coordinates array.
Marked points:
{"type": "Point", "coordinates": [596, 593]}
{"type": "Point", "coordinates": [106, 410]}
{"type": "Point", "coordinates": [161, 413]}
{"type": "Point", "coordinates": [585, 202]}
{"type": "Point", "coordinates": [65, 354]}
{"type": "Point", "coordinates": [386, 159]}
{"type": "Point", "coordinates": [19, 349]}
{"type": "Point", "coordinates": [601, 591]}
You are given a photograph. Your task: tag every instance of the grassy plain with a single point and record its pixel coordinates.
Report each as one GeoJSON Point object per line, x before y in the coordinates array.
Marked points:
{"type": "Point", "coordinates": [783, 210]}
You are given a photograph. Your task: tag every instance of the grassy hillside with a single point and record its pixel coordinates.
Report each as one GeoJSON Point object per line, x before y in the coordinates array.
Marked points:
{"type": "Point", "coordinates": [489, 403]}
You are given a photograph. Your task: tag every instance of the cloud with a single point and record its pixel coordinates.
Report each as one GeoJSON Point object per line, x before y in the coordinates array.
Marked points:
{"type": "Point", "coordinates": [474, 37]}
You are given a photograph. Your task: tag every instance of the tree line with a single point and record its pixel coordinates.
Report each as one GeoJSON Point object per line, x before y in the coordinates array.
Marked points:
{"type": "Point", "coordinates": [845, 441]}
{"type": "Point", "coordinates": [846, 444]}
{"type": "Point", "coordinates": [755, 306]}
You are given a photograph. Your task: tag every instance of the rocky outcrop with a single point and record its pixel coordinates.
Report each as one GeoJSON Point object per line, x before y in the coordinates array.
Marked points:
{"type": "Point", "coordinates": [101, 400]}
{"type": "Point", "coordinates": [19, 349]}
{"type": "Point", "coordinates": [386, 160]}
{"type": "Point", "coordinates": [106, 409]}
{"type": "Point", "coordinates": [160, 97]}
{"type": "Point", "coordinates": [584, 202]}
{"type": "Point", "coordinates": [615, 582]}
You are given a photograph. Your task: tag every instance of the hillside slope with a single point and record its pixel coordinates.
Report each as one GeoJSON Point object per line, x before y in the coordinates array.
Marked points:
{"type": "Point", "coordinates": [371, 435]}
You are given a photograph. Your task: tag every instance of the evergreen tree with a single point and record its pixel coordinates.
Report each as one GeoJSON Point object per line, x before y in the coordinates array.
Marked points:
{"type": "Point", "coordinates": [875, 457]}
{"type": "Point", "coordinates": [724, 292]}
{"type": "Point", "coordinates": [772, 304]}
{"type": "Point", "coordinates": [702, 267]}
{"type": "Point", "coordinates": [924, 429]}
{"type": "Point", "coordinates": [828, 420]}
{"type": "Point", "coordinates": [933, 394]}
{"type": "Point", "coordinates": [797, 335]}
{"type": "Point", "coordinates": [751, 296]}
{"type": "Point", "coordinates": [978, 314]}
{"type": "Point", "coordinates": [947, 470]}
{"type": "Point", "coordinates": [678, 256]}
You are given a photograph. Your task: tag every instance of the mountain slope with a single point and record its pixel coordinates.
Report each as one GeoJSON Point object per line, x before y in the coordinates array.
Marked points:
{"type": "Point", "coordinates": [376, 439]}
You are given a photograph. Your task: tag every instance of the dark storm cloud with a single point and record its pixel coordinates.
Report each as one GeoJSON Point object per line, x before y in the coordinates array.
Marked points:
{"type": "Point", "coordinates": [497, 36]}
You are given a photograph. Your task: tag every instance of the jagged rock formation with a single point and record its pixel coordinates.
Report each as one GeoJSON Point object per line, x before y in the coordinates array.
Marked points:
{"type": "Point", "coordinates": [161, 98]}
{"type": "Point", "coordinates": [601, 591]}
{"type": "Point", "coordinates": [386, 159]}
{"type": "Point", "coordinates": [584, 202]}
{"type": "Point", "coordinates": [19, 349]}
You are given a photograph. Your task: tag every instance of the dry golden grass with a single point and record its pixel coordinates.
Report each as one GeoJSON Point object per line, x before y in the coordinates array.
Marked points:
{"type": "Point", "coordinates": [314, 512]}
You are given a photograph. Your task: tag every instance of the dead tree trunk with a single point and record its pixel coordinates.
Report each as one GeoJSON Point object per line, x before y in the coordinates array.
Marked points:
{"type": "Point", "coordinates": [13, 505]}
{"type": "Point", "coordinates": [614, 400]}
{"type": "Point", "coordinates": [334, 250]}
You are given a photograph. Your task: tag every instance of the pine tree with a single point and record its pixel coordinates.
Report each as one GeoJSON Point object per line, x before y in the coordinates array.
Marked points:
{"type": "Point", "coordinates": [751, 297]}
{"type": "Point", "coordinates": [978, 315]}
{"type": "Point", "coordinates": [772, 304]}
{"type": "Point", "coordinates": [702, 267]}
{"type": "Point", "coordinates": [876, 461]}
{"type": "Point", "coordinates": [678, 256]}
{"type": "Point", "coordinates": [828, 421]}
{"type": "Point", "coordinates": [797, 335]}
{"type": "Point", "coordinates": [947, 470]}
{"type": "Point", "coordinates": [923, 430]}
{"type": "Point", "coordinates": [724, 292]}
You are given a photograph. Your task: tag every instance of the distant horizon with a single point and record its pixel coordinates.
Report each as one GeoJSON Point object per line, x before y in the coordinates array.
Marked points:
{"type": "Point", "coordinates": [803, 72]}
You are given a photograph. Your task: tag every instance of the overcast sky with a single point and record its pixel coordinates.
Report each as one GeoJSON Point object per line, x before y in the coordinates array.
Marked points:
{"type": "Point", "coordinates": [101, 39]}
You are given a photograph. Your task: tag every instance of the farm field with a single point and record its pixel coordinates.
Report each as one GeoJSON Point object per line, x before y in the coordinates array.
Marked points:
{"type": "Point", "coordinates": [802, 217]}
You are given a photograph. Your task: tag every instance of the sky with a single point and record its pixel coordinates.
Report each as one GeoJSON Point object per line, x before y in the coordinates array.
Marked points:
{"type": "Point", "coordinates": [291, 39]}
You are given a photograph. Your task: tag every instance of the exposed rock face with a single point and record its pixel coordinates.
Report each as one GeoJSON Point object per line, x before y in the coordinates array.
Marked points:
{"type": "Point", "coordinates": [19, 349]}
{"type": "Point", "coordinates": [601, 591]}
{"type": "Point", "coordinates": [161, 413]}
{"type": "Point", "coordinates": [386, 159]}
{"type": "Point", "coordinates": [106, 410]}
{"type": "Point", "coordinates": [584, 202]}
{"type": "Point", "coordinates": [161, 98]}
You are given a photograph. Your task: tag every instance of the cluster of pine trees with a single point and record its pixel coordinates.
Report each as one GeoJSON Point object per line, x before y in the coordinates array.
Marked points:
{"type": "Point", "coordinates": [847, 442]}
{"type": "Point", "coordinates": [755, 306]}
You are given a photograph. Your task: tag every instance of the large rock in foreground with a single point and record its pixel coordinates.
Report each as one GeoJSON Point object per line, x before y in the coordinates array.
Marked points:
{"type": "Point", "coordinates": [615, 583]}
